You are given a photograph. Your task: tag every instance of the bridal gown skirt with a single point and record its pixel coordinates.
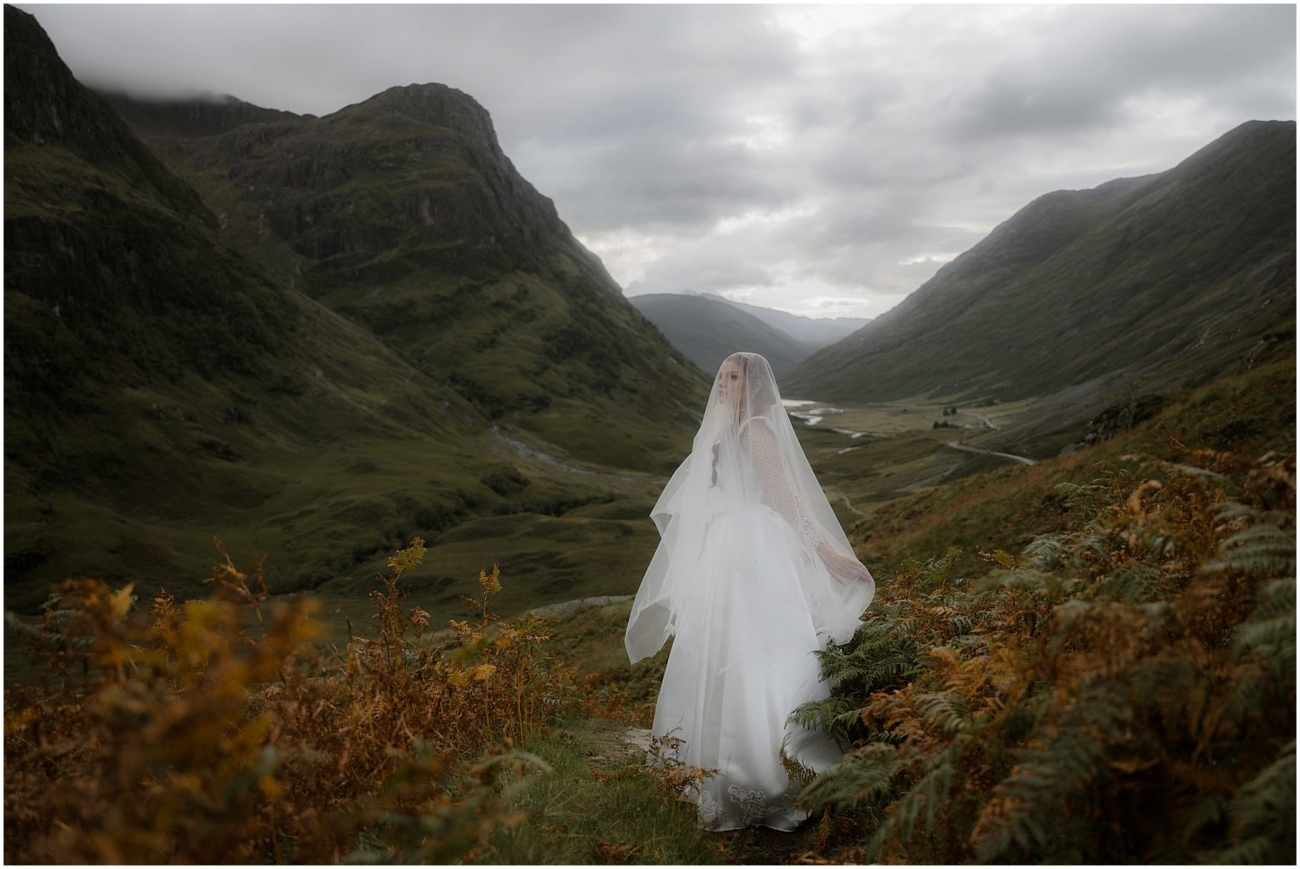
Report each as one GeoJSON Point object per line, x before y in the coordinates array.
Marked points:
{"type": "Point", "coordinates": [742, 660]}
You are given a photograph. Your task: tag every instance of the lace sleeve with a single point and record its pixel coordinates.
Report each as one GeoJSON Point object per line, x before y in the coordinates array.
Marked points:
{"type": "Point", "coordinates": [760, 442]}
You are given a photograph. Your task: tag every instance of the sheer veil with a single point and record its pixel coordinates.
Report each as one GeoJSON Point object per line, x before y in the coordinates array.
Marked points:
{"type": "Point", "coordinates": [746, 457]}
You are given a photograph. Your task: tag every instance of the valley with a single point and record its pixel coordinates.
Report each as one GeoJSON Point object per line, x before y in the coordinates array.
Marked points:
{"type": "Point", "coordinates": [316, 428]}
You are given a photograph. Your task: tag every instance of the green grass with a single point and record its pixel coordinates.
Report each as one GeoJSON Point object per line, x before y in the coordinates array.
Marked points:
{"type": "Point", "coordinates": [575, 817]}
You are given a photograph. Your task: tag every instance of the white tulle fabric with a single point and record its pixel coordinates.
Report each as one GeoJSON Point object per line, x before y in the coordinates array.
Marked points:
{"type": "Point", "coordinates": [753, 575]}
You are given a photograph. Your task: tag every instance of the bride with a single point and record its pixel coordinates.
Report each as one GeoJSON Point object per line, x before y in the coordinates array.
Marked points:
{"type": "Point", "coordinates": [753, 575]}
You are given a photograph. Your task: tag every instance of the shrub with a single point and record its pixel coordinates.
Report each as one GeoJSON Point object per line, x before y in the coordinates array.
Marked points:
{"type": "Point", "coordinates": [1145, 657]}
{"type": "Point", "coordinates": [213, 728]}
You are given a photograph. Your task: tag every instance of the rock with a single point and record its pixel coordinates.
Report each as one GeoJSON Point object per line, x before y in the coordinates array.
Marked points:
{"type": "Point", "coordinates": [1122, 417]}
{"type": "Point", "coordinates": [573, 606]}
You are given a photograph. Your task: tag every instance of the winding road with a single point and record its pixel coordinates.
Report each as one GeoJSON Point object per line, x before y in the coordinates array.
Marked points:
{"type": "Point", "coordinates": [957, 446]}
{"type": "Point", "coordinates": [845, 499]}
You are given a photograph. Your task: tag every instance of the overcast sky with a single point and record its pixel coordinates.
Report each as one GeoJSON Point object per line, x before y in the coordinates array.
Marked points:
{"type": "Point", "coordinates": [824, 160]}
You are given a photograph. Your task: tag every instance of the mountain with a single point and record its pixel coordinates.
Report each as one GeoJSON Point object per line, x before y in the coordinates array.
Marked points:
{"type": "Point", "coordinates": [403, 214]}
{"type": "Point", "coordinates": [1170, 277]}
{"type": "Point", "coordinates": [159, 386]}
{"type": "Point", "coordinates": [708, 329]}
{"type": "Point", "coordinates": [816, 333]}
{"type": "Point", "coordinates": [162, 387]}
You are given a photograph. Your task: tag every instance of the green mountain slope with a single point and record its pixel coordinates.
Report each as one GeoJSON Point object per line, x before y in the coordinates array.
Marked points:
{"type": "Point", "coordinates": [708, 330]}
{"type": "Point", "coordinates": [158, 387]}
{"type": "Point", "coordinates": [161, 389]}
{"type": "Point", "coordinates": [1170, 277]}
{"type": "Point", "coordinates": [402, 214]}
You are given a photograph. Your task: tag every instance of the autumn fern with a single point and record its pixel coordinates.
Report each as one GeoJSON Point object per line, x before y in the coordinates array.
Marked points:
{"type": "Point", "coordinates": [1263, 816]}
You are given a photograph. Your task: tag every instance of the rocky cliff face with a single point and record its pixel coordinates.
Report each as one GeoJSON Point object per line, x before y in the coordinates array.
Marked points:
{"type": "Point", "coordinates": [46, 105]}
{"type": "Point", "coordinates": [413, 166]}
{"type": "Point", "coordinates": [95, 225]}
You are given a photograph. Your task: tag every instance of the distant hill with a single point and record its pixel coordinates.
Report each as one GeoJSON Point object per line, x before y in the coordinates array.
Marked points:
{"type": "Point", "coordinates": [1172, 277]}
{"type": "Point", "coordinates": [708, 329]}
{"type": "Point", "coordinates": [403, 214]}
{"type": "Point", "coordinates": [815, 332]}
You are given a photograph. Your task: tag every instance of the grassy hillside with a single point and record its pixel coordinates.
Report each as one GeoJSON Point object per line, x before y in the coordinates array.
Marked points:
{"type": "Point", "coordinates": [1168, 278]}
{"type": "Point", "coordinates": [1252, 412]}
{"type": "Point", "coordinates": [1124, 636]}
{"type": "Point", "coordinates": [1134, 653]}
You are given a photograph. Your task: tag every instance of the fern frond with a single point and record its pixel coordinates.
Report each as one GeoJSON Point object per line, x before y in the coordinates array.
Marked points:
{"type": "Point", "coordinates": [1132, 583]}
{"type": "Point", "coordinates": [1271, 627]}
{"type": "Point", "coordinates": [1047, 552]}
{"type": "Point", "coordinates": [835, 713]}
{"type": "Point", "coordinates": [926, 800]}
{"type": "Point", "coordinates": [1264, 549]}
{"type": "Point", "coordinates": [1071, 760]}
{"type": "Point", "coordinates": [1205, 810]}
{"type": "Point", "coordinates": [864, 776]}
{"type": "Point", "coordinates": [948, 711]}
{"type": "Point", "coordinates": [1263, 815]}
{"type": "Point", "coordinates": [798, 774]}
{"type": "Point", "coordinates": [1033, 581]}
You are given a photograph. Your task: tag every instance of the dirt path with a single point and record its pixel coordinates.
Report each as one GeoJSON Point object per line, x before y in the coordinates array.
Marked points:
{"type": "Point", "coordinates": [845, 499]}
{"type": "Point", "coordinates": [572, 606]}
{"type": "Point", "coordinates": [530, 452]}
{"type": "Point", "coordinates": [958, 446]}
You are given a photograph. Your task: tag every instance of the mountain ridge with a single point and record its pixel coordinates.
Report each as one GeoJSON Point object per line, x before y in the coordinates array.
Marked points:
{"type": "Point", "coordinates": [402, 213]}
{"type": "Point", "coordinates": [814, 331]}
{"type": "Point", "coordinates": [708, 327]}
{"type": "Point", "coordinates": [1161, 277]}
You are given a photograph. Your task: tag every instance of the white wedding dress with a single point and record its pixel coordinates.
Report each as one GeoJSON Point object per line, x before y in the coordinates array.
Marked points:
{"type": "Point", "coordinates": [752, 576]}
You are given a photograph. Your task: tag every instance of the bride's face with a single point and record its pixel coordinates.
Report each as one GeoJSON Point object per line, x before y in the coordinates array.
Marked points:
{"type": "Point", "coordinates": [731, 383]}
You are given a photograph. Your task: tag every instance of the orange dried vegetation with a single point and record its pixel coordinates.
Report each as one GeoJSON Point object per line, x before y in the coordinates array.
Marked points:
{"type": "Point", "coordinates": [213, 730]}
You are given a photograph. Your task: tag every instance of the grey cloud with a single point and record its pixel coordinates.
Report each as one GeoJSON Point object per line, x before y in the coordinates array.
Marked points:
{"type": "Point", "coordinates": [1009, 108]}
{"type": "Point", "coordinates": [1079, 73]}
{"type": "Point", "coordinates": [708, 270]}
{"type": "Point", "coordinates": [906, 131]}
{"type": "Point", "coordinates": [663, 181]}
